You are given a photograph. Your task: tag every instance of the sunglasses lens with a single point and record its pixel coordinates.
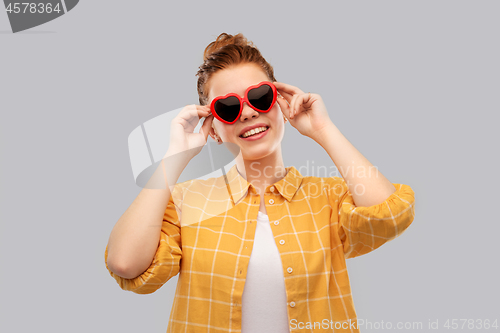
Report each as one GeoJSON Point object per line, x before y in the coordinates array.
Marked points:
{"type": "Point", "coordinates": [261, 97]}
{"type": "Point", "coordinates": [228, 108]}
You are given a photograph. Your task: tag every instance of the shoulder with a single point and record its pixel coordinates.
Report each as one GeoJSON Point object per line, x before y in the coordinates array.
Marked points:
{"type": "Point", "coordinates": [200, 186]}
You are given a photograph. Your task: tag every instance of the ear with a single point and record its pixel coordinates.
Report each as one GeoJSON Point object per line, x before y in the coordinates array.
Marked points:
{"type": "Point", "coordinates": [211, 132]}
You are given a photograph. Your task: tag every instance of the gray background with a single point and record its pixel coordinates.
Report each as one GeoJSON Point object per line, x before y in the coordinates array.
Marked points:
{"type": "Point", "coordinates": [414, 85]}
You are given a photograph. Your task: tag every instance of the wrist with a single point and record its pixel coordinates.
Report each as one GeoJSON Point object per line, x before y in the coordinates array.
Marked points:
{"type": "Point", "coordinates": [322, 134]}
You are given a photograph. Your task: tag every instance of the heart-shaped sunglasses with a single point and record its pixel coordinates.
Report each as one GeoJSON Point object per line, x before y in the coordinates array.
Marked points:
{"type": "Point", "coordinates": [260, 97]}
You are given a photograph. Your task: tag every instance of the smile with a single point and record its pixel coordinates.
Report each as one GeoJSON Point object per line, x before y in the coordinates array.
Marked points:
{"type": "Point", "coordinates": [255, 134]}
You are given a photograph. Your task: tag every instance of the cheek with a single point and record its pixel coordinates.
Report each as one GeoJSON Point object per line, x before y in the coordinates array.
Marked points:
{"type": "Point", "coordinates": [224, 131]}
{"type": "Point", "coordinates": [278, 119]}
{"type": "Point", "coordinates": [277, 115]}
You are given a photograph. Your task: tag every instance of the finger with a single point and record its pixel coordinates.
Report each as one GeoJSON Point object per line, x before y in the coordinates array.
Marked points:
{"type": "Point", "coordinates": [203, 110]}
{"type": "Point", "coordinates": [300, 104]}
{"type": "Point", "coordinates": [287, 88]}
{"type": "Point", "coordinates": [286, 96]}
{"type": "Point", "coordinates": [308, 101]}
{"type": "Point", "coordinates": [197, 113]}
{"type": "Point", "coordinates": [193, 113]}
{"type": "Point", "coordinates": [293, 104]}
{"type": "Point", "coordinates": [205, 128]}
{"type": "Point", "coordinates": [199, 110]}
{"type": "Point", "coordinates": [303, 103]}
{"type": "Point", "coordinates": [285, 108]}
{"type": "Point", "coordinates": [289, 92]}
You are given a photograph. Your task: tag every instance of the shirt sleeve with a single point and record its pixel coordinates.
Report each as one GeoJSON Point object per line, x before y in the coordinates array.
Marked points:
{"type": "Point", "coordinates": [166, 262]}
{"type": "Point", "coordinates": [364, 229]}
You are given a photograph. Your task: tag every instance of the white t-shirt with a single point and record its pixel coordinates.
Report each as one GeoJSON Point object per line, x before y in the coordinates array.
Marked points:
{"type": "Point", "coordinates": [264, 307]}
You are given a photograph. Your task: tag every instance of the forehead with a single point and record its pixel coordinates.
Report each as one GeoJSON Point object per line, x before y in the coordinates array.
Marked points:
{"type": "Point", "coordinates": [235, 80]}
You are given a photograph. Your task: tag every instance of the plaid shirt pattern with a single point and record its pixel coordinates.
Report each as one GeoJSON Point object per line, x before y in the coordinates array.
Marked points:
{"type": "Point", "coordinates": [207, 236]}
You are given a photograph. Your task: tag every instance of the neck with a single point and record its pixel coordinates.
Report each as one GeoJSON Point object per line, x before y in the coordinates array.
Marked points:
{"type": "Point", "coordinates": [262, 172]}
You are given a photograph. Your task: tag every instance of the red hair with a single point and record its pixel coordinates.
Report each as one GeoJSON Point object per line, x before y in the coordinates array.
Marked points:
{"type": "Point", "coordinates": [227, 51]}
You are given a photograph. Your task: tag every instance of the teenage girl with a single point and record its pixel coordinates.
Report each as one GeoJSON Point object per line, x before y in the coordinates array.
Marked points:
{"type": "Point", "coordinates": [261, 248]}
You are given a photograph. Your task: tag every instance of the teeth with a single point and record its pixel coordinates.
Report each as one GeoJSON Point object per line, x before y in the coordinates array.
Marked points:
{"type": "Point", "coordinates": [254, 131]}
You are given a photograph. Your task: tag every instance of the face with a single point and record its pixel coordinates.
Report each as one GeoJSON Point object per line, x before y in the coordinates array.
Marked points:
{"type": "Point", "coordinates": [237, 80]}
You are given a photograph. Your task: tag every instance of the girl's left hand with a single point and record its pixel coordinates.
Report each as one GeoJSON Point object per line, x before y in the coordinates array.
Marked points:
{"type": "Point", "coordinates": [306, 112]}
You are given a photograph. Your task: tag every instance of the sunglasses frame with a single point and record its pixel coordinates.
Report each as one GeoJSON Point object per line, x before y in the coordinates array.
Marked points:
{"type": "Point", "coordinates": [244, 99]}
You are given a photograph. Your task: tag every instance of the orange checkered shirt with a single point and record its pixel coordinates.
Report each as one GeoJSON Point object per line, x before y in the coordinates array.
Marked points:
{"type": "Point", "coordinates": [207, 236]}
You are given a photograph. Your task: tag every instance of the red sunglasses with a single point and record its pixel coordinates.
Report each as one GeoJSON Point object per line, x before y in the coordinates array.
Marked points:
{"type": "Point", "coordinates": [260, 97]}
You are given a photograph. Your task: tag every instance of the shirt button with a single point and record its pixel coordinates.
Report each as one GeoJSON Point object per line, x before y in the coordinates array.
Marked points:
{"type": "Point", "coordinates": [276, 222]}
{"type": "Point", "coordinates": [282, 241]}
{"type": "Point", "coordinates": [272, 188]}
{"type": "Point", "coordinates": [271, 201]}
{"type": "Point", "coordinates": [292, 304]}
{"type": "Point", "coordinates": [289, 270]}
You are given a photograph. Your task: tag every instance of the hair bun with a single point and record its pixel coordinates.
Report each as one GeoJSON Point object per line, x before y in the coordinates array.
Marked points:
{"type": "Point", "coordinates": [225, 52]}
{"type": "Point", "coordinates": [225, 39]}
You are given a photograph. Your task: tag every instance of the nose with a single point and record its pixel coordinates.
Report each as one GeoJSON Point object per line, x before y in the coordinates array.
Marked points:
{"type": "Point", "coordinates": [248, 112]}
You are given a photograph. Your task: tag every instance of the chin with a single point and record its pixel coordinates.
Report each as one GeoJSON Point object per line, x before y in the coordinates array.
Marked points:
{"type": "Point", "coordinates": [256, 154]}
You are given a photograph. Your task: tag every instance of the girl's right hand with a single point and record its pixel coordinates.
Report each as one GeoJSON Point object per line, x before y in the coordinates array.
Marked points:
{"type": "Point", "coordinates": [182, 138]}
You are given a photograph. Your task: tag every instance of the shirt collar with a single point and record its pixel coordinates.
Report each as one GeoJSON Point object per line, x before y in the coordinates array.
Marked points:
{"type": "Point", "coordinates": [239, 186]}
